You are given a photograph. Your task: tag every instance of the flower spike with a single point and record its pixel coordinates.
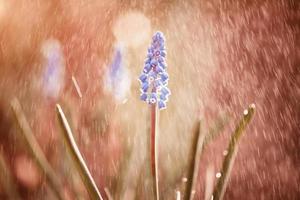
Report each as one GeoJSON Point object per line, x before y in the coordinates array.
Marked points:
{"type": "Point", "coordinates": [154, 78]}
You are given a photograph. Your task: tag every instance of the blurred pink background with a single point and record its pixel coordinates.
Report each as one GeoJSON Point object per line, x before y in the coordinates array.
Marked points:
{"type": "Point", "coordinates": [221, 55]}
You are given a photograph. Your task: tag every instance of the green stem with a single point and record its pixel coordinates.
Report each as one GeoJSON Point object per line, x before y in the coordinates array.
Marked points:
{"type": "Point", "coordinates": [76, 156]}
{"type": "Point", "coordinates": [232, 149]}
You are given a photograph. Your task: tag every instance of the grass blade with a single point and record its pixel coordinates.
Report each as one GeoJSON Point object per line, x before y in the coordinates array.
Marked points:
{"type": "Point", "coordinates": [194, 161]}
{"type": "Point", "coordinates": [232, 149]}
{"type": "Point", "coordinates": [76, 156]}
{"type": "Point", "coordinates": [178, 195]}
{"type": "Point", "coordinates": [36, 151]}
{"type": "Point", "coordinates": [209, 182]}
{"type": "Point", "coordinates": [108, 194]}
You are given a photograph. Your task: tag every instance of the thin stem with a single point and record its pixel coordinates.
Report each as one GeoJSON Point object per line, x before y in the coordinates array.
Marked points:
{"type": "Point", "coordinates": [108, 194]}
{"type": "Point", "coordinates": [209, 182]}
{"type": "Point", "coordinates": [232, 149]}
{"type": "Point", "coordinates": [36, 150]}
{"type": "Point", "coordinates": [76, 156]}
{"type": "Point", "coordinates": [153, 144]}
{"type": "Point", "coordinates": [178, 195]}
{"type": "Point", "coordinates": [6, 180]}
{"type": "Point", "coordinates": [194, 161]}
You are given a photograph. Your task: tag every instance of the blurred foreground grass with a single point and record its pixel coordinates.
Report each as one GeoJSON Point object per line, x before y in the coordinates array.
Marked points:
{"type": "Point", "coordinates": [199, 141]}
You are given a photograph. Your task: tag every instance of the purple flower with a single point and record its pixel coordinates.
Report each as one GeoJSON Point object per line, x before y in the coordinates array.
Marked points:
{"type": "Point", "coordinates": [117, 80]}
{"type": "Point", "coordinates": [154, 78]}
{"type": "Point", "coordinates": [161, 105]}
{"type": "Point", "coordinates": [53, 76]}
